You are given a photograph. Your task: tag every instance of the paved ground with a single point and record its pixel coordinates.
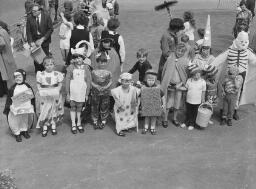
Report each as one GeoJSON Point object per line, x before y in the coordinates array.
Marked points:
{"type": "Point", "coordinates": [215, 158]}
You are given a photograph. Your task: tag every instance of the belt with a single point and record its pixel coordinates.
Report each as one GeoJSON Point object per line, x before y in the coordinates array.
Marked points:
{"type": "Point", "coordinates": [49, 86]}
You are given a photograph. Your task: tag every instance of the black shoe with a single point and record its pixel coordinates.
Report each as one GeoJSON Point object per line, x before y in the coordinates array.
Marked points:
{"type": "Point", "coordinates": [144, 131]}
{"type": "Point", "coordinates": [235, 115]}
{"type": "Point", "coordinates": [229, 122]}
{"type": "Point", "coordinates": [26, 135]}
{"type": "Point", "coordinates": [223, 121]}
{"type": "Point", "coordinates": [18, 138]}
{"type": "Point", "coordinates": [80, 129]}
{"type": "Point", "coordinates": [44, 133]}
{"type": "Point", "coordinates": [121, 133]}
{"type": "Point", "coordinates": [102, 125]}
{"type": "Point", "coordinates": [176, 123]}
{"type": "Point", "coordinates": [54, 132]}
{"type": "Point", "coordinates": [165, 124]}
{"type": "Point", "coordinates": [73, 130]}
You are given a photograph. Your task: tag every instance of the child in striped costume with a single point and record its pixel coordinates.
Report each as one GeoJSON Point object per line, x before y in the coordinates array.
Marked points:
{"type": "Point", "coordinates": [240, 56]}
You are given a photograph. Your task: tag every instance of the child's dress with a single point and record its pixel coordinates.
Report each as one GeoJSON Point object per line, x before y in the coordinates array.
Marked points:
{"type": "Point", "coordinates": [20, 108]}
{"type": "Point", "coordinates": [66, 32]}
{"type": "Point", "coordinates": [189, 31]}
{"type": "Point", "coordinates": [51, 103]}
{"type": "Point", "coordinates": [126, 108]}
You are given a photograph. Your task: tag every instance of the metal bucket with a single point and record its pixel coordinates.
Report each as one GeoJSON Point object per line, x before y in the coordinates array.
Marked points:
{"type": "Point", "coordinates": [204, 114]}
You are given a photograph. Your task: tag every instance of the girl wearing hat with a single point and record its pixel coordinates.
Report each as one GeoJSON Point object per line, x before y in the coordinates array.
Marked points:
{"type": "Point", "coordinates": [151, 102]}
{"type": "Point", "coordinates": [20, 106]}
{"type": "Point", "coordinates": [196, 87]}
{"type": "Point", "coordinates": [126, 105]}
{"type": "Point", "coordinates": [78, 83]}
{"type": "Point", "coordinates": [49, 83]}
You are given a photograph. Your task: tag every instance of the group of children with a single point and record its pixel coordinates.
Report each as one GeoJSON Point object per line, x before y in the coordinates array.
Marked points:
{"type": "Point", "coordinates": [187, 78]}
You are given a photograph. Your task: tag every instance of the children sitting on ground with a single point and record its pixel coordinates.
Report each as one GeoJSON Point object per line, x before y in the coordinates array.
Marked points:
{"type": "Point", "coordinates": [126, 105]}
{"type": "Point", "coordinates": [20, 106]}
{"type": "Point", "coordinates": [173, 84]}
{"type": "Point", "coordinates": [151, 102]}
{"type": "Point", "coordinates": [100, 93]}
{"type": "Point", "coordinates": [118, 41]}
{"type": "Point", "coordinates": [78, 85]}
{"type": "Point", "coordinates": [196, 87]}
{"type": "Point", "coordinates": [49, 83]}
{"type": "Point", "coordinates": [231, 85]}
{"type": "Point", "coordinates": [142, 65]}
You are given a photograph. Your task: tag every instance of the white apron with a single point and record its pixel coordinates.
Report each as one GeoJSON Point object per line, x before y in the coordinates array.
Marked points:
{"type": "Point", "coordinates": [78, 86]}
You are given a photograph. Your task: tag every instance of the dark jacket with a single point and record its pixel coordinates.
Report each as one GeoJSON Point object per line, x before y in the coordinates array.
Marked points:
{"type": "Point", "coordinates": [46, 28]}
{"type": "Point", "coordinates": [142, 68]}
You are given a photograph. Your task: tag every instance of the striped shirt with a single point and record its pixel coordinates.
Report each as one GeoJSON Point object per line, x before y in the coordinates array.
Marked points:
{"type": "Point", "coordinates": [231, 85]}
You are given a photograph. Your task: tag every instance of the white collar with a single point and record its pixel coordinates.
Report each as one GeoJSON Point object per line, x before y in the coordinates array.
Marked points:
{"type": "Point", "coordinates": [80, 27]}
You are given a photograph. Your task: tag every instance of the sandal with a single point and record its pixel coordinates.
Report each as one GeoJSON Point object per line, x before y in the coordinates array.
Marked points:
{"type": "Point", "coordinates": [144, 131]}
{"type": "Point", "coordinates": [176, 123]}
{"type": "Point", "coordinates": [80, 129]}
{"type": "Point", "coordinates": [44, 133]}
{"type": "Point", "coordinates": [73, 129]}
{"type": "Point", "coordinates": [153, 131]}
{"type": "Point", "coordinates": [121, 133]}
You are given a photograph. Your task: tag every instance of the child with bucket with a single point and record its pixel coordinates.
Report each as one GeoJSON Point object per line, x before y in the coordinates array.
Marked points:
{"type": "Point", "coordinates": [196, 87]}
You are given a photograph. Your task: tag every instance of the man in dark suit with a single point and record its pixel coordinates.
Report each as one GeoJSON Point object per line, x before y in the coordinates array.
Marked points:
{"type": "Point", "coordinates": [39, 30]}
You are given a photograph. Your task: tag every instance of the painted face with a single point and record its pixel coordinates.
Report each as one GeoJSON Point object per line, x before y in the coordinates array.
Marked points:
{"type": "Point", "coordinates": [18, 78]}
{"type": "Point", "coordinates": [179, 52]}
{"type": "Point", "coordinates": [36, 11]}
{"type": "Point", "coordinates": [125, 83]}
{"type": "Point", "coordinates": [242, 44]}
{"type": "Point", "coordinates": [142, 58]}
{"type": "Point", "coordinates": [205, 52]}
{"type": "Point", "coordinates": [49, 65]}
{"type": "Point", "coordinates": [151, 80]}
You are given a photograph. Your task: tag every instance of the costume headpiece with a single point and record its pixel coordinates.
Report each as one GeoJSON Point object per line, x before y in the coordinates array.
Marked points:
{"type": "Point", "coordinates": [207, 35]}
{"type": "Point", "coordinates": [80, 50]}
{"type": "Point", "coordinates": [193, 69]}
{"type": "Point", "coordinates": [20, 72]}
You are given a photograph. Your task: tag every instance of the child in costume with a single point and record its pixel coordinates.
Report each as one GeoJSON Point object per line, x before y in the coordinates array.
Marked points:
{"type": "Point", "coordinates": [231, 85]}
{"type": "Point", "coordinates": [20, 106]}
{"type": "Point", "coordinates": [78, 84]}
{"type": "Point", "coordinates": [239, 55]}
{"type": "Point", "coordinates": [196, 87]}
{"type": "Point", "coordinates": [199, 42]}
{"type": "Point", "coordinates": [49, 83]}
{"type": "Point", "coordinates": [174, 79]}
{"type": "Point", "coordinates": [190, 50]}
{"type": "Point", "coordinates": [65, 34]}
{"type": "Point", "coordinates": [151, 101]}
{"type": "Point", "coordinates": [142, 65]}
{"type": "Point", "coordinates": [126, 104]}
{"type": "Point", "coordinates": [169, 41]}
{"type": "Point", "coordinates": [118, 41]}
{"type": "Point", "coordinates": [100, 92]}
{"type": "Point", "coordinates": [204, 58]}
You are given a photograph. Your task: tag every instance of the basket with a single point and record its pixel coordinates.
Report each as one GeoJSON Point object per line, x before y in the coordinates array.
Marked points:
{"type": "Point", "coordinates": [204, 114]}
{"type": "Point", "coordinates": [38, 55]}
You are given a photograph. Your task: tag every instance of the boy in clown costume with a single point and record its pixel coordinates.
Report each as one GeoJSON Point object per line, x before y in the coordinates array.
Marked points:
{"type": "Point", "coordinates": [239, 55]}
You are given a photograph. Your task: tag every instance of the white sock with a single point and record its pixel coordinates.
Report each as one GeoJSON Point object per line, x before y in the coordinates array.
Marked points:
{"type": "Point", "coordinates": [73, 118]}
{"type": "Point", "coordinates": [78, 114]}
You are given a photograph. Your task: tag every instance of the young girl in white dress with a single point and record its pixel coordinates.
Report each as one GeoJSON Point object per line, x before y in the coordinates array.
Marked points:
{"type": "Point", "coordinates": [49, 83]}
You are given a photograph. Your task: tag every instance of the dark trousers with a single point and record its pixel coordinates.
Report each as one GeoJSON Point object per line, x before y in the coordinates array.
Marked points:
{"type": "Point", "coordinates": [40, 67]}
{"type": "Point", "coordinates": [99, 107]}
{"type": "Point", "coordinates": [229, 103]}
{"type": "Point", "coordinates": [191, 113]}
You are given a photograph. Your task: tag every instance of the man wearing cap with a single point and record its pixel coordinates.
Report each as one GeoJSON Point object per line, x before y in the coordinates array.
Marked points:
{"type": "Point", "coordinates": [39, 30]}
{"type": "Point", "coordinates": [239, 55]}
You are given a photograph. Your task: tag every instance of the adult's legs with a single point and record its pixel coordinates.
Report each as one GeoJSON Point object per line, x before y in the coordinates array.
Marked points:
{"type": "Point", "coordinates": [3, 86]}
